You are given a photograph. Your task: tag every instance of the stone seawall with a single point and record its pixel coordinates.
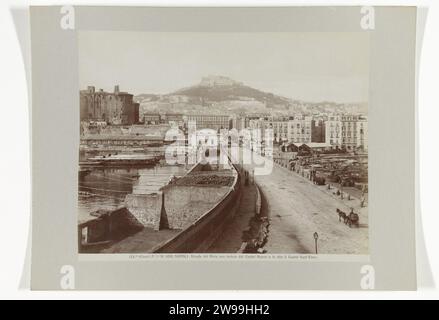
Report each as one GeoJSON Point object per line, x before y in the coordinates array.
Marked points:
{"type": "Point", "coordinates": [187, 215]}
{"type": "Point", "coordinates": [182, 202]}
{"type": "Point", "coordinates": [185, 204]}
{"type": "Point", "coordinates": [146, 208]}
{"type": "Point", "coordinates": [199, 235]}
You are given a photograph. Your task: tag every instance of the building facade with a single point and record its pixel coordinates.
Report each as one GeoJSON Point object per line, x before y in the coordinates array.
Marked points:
{"type": "Point", "coordinates": [113, 108]}
{"type": "Point", "coordinates": [215, 122]}
{"type": "Point", "coordinates": [297, 129]}
{"type": "Point", "coordinates": [151, 118]}
{"type": "Point", "coordinates": [333, 133]}
{"type": "Point", "coordinates": [175, 120]}
{"type": "Point", "coordinates": [362, 134]}
{"type": "Point", "coordinates": [347, 131]}
{"type": "Point", "coordinates": [280, 130]}
{"type": "Point", "coordinates": [318, 131]}
{"type": "Point", "coordinates": [300, 129]}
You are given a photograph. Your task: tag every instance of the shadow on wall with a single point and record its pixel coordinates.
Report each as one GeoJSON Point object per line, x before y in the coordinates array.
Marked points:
{"type": "Point", "coordinates": [109, 227]}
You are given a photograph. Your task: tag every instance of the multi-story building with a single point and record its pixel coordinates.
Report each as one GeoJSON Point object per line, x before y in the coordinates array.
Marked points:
{"type": "Point", "coordinates": [297, 129]}
{"type": "Point", "coordinates": [113, 108]}
{"type": "Point", "coordinates": [238, 122]}
{"type": "Point", "coordinates": [333, 129]}
{"type": "Point", "coordinates": [362, 133]}
{"type": "Point", "coordinates": [175, 120]}
{"type": "Point", "coordinates": [347, 131]}
{"type": "Point", "coordinates": [318, 131]}
{"type": "Point", "coordinates": [279, 125]}
{"type": "Point", "coordinates": [151, 118]}
{"type": "Point", "coordinates": [300, 129]}
{"type": "Point", "coordinates": [280, 130]}
{"type": "Point", "coordinates": [215, 122]}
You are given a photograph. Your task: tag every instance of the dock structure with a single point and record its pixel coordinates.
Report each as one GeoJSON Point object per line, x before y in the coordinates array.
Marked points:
{"type": "Point", "coordinates": [180, 214]}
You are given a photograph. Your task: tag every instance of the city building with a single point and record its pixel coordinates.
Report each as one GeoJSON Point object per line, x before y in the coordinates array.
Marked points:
{"type": "Point", "coordinates": [318, 131]}
{"type": "Point", "coordinates": [151, 118]}
{"type": "Point", "coordinates": [238, 122]}
{"type": "Point", "coordinates": [333, 133]}
{"type": "Point", "coordinates": [297, 129]}
{"type": "Point", "coordinates": [362, 134]}
{"type": "Point", "coordinates": [113, 108]}
{"type": "Point", "coordinates": [175, 120]}
{"type": "Point", "coordinates": [300, 129]}
{"type": "Point", "coordinates": [215, 122]}
{"type": "Point", "coordinates": [315, 147]}
{"type": "Point", "coordinates": [347, 131]}
{"type": "Point", "coordinates": [280, 128]}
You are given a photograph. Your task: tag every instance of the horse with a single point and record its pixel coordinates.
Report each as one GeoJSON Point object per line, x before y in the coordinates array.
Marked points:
{"type": "Point", "coordinates": [341, 215]}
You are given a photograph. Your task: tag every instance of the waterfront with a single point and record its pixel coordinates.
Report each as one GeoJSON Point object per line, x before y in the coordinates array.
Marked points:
{"type": "Point", "coordinates": [306, 162]}
{"type": "Point", "coordinates": [106, 188]}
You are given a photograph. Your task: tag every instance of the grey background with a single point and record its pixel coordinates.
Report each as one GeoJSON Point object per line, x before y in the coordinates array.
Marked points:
{"type": "Point", "coordinates": [55, 138]}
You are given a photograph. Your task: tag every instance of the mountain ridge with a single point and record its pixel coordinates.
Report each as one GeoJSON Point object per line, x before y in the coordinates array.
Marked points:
{"type": "Point", "coordinates": [216, 90]}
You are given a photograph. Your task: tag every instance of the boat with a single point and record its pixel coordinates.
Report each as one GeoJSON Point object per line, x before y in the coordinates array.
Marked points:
{"type": "Point", "coordinates": [122, 160]}
{"type": "Point", "coordinates": [83, 172]}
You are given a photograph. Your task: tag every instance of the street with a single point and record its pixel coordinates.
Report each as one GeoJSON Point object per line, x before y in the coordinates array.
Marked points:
{"type": "Point", "coordinates": [297, 209]}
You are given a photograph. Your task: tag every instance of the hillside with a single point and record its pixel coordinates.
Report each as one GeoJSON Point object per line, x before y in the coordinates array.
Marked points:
{"type": "Point", "coordinates": [225, 95]}
{"type": "Point", "coordinates": [231, 92]}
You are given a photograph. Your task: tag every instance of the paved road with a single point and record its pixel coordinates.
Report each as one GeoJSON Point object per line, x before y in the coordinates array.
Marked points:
{"type": "Point", "coordinates": [297, 208]}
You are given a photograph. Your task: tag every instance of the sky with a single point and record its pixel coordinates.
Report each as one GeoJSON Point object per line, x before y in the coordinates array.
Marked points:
{"type": "Point", "coordinates": [309, 66]}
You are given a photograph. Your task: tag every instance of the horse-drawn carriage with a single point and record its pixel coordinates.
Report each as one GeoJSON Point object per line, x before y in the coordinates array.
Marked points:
{"type": "Point", "coordinates": [351, 219]}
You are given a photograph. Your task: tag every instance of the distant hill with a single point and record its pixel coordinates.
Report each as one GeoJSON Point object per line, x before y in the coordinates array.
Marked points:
{"type": "Point", "coordinates": [218, 88]}
{"type": "Point", "coordinates": [227, 95]}
{"type": "Point", "coordinates": [146, 97]}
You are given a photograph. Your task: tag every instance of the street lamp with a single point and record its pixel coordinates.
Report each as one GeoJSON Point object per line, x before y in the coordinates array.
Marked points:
{"type": "Point", "coordinates": [316, 237]}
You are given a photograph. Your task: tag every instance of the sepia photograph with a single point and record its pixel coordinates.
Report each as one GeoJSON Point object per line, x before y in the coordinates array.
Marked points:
{"type": "Point", "coordinates": [223, 148]}
{"type": "Point", "coordinates": [220, 143]}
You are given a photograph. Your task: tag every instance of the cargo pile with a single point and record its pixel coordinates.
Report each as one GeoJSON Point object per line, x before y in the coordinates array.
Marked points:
{"type": "Point", "coordinates": [211, 179]}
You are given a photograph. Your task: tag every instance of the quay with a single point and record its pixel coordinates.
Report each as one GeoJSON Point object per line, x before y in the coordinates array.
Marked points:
{"type": "Point", "coordinates": [187, 215]}
{"type": "Point", "coordinates": [226, 209]}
